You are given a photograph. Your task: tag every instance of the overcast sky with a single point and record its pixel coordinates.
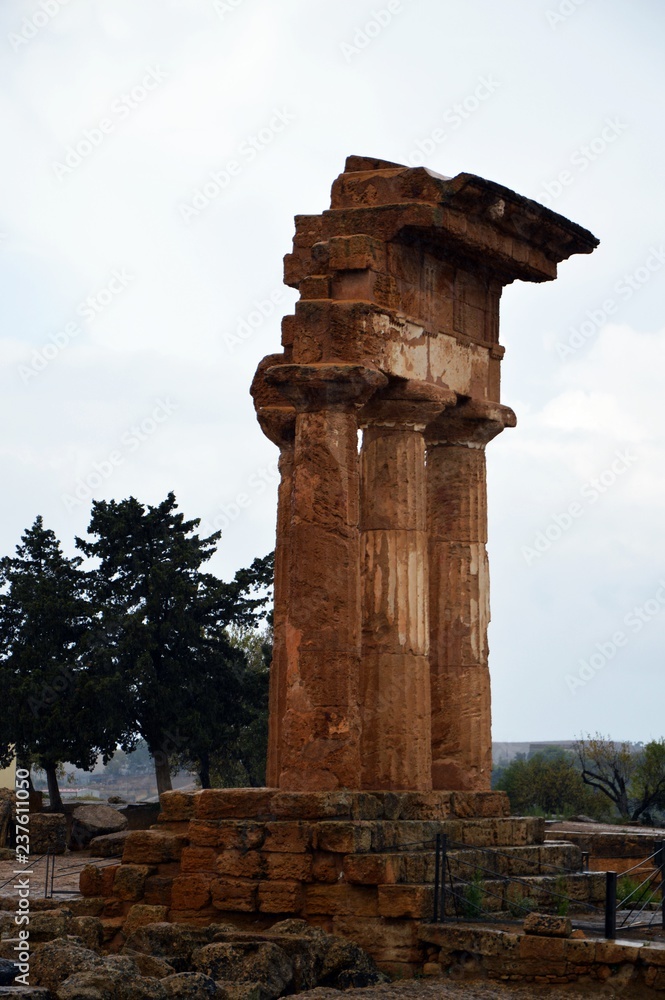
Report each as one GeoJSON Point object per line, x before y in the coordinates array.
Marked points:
{"type": "Point", "coordinates": [138, 292]}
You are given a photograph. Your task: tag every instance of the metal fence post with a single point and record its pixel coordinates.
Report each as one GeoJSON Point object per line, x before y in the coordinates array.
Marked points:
{"type": "Point", "coordinates": [444, 862]}
{"type": "Point", "coordinates": [660, 861]}
{"type": "Point", "coordinates": [610, 905]}
{"type": "Point", "coordinates": [437, 875]}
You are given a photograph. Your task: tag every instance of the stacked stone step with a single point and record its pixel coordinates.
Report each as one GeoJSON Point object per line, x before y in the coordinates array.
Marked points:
{"type": "Point", "coordinates": [360, 864]}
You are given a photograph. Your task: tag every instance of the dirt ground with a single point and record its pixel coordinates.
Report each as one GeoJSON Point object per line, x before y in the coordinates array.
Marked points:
{"type": "Point", "coordinates": [66, 876]}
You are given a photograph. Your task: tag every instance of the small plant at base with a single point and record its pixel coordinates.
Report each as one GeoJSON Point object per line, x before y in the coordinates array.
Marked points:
{"type": "Point", "coordinates": [563, 905]}
{"type": "Point", "coordinates": [473, 896]}
{"type": "Point", "coordinates": [631, 892]}
{"type": "Point", "coordinates": [519, 906]}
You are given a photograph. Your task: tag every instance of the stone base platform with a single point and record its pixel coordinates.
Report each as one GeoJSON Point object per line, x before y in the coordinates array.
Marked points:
{"type": "Point", "coordinates": [358, 864]}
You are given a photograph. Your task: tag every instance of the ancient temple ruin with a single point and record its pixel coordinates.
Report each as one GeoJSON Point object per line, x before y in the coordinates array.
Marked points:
{"type": "Point", "coordinates": [382, 402]}
{"type": "Point", "coordinates": [380, 675]}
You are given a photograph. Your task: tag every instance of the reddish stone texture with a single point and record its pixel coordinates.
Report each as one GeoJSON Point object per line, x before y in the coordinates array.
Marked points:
{"type": "Point", "coordinates": [459, 593]}
{"type": "Point", "coordinates": [380, 678]}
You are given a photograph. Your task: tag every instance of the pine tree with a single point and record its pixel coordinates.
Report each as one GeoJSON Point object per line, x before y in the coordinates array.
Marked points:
{"type": "Point", "coordinates": [55, 708]}
{"type": "Point", "coordinates": [162, 626]}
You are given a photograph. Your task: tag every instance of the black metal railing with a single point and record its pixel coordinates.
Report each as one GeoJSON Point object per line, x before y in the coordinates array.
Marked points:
{"type": "Point", "coordinates": [67, 871]}
{"type": "Point", "coordinates": [458, 897]}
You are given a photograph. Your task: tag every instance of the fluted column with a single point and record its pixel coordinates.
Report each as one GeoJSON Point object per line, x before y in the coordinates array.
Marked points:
{"type": "Point", "coordinates": [459, 593]}
{"type": "Point", "coordinates": [278, 424]}
{"type": "Point", "coordinates": [394, 673]}
{"type": "Point", "coordinates": [320, 723]}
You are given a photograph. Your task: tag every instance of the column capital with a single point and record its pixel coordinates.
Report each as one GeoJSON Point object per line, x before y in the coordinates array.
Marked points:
{"type": "Point", "coordinates": [407, 403]}
{"type": "Point", "coordinates": [278, 423]}
{"type": "Point", "coordinates": [325, 386]}
{"type": "Point", "coordinates": [473, 423]}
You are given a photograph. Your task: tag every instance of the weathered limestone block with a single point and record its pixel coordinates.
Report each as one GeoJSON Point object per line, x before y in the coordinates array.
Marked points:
{"type": "Point", "coordinates": [129, 882]}
{"type": "Point", "coordinates": [149, 847]}
{"type": "Point", "coordinates": [546, 925]}
{"type": "Point", "coordinates": [48, 832]}
{"type": "Point", "coordinates": [89, 822]}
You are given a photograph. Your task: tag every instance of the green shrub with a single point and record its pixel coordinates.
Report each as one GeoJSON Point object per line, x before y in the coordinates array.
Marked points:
{"type": "Point", "coordinates": [472, 905]}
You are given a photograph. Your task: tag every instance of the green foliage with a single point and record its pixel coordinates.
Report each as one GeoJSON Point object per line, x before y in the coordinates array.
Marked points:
{"type": "Point", "coordinates": [162, 629]}
{"type": "Point", "coordinates": [548, 783]}
{"type": "Point", "coordinates": [633, 779]}
{"type": "Point", "coordinates": [561, 888]}
{"type": "Point", "coordinates": [472, 905]}
{"type": "Point", "coordinates": [519, 906]}
{"type": "Point", "coordinates": [59, 702]}
{"type": "Point", "coordinates": [633, 892]}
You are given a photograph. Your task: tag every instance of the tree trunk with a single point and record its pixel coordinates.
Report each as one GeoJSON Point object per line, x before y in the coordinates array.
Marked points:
{"type": "Point", "coordinates": [23, 764]}
{"type": "Point", "coordinates": [162, 773]}
{"type": "Point", "coordinates": [55, 802]}
{"type": "Point", "coordinates": [204, 770]}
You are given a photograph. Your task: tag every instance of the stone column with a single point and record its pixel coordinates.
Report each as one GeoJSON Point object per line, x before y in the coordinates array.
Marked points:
{"type": "Point", "coordinates": [278, 424]}
{"type": "Point", "coordinates": [459, 593]}
{"type": "Point", "coordinates": [320, 722]}
{"type": "Point", "coordinates": [394, 673]}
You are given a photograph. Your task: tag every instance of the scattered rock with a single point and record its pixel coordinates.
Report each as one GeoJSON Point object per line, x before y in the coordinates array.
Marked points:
{"type": "Point", "coordinates": [547, 925]}
{"type": "Point", "coordinates": [346, 965]}
{"type": "Point", "coordinates": [241, 991]}
{"type": "Point", "coordinates": [110, 984]}
{"type": "Point", "coordinates": [56, 961]}
{"type": "Point", "coordinates": [89, 822]}
{"type": "Point", "coordinates": [122, 963]}
{"type": "Point", "coordinates": [8, 972]}
{"type": "Point", "coordinates": [49, 925]}
{"type": "Point", "coordinates": [192, 986]}
{"type": "Point", "coordinates": [110, 845]}
{"type": "Point", "coordinates": [148, 965]}
{"type": "Point", "coordinates": [140, 915]}
{"type": "Point", "coordinates": [90, 930]}
{"type": "Point", "coordinates": [7, 854]}
{"type": "Point", "coordinates": [174, 942]}
{"type": "Point", "coordinates": [253, 962]}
